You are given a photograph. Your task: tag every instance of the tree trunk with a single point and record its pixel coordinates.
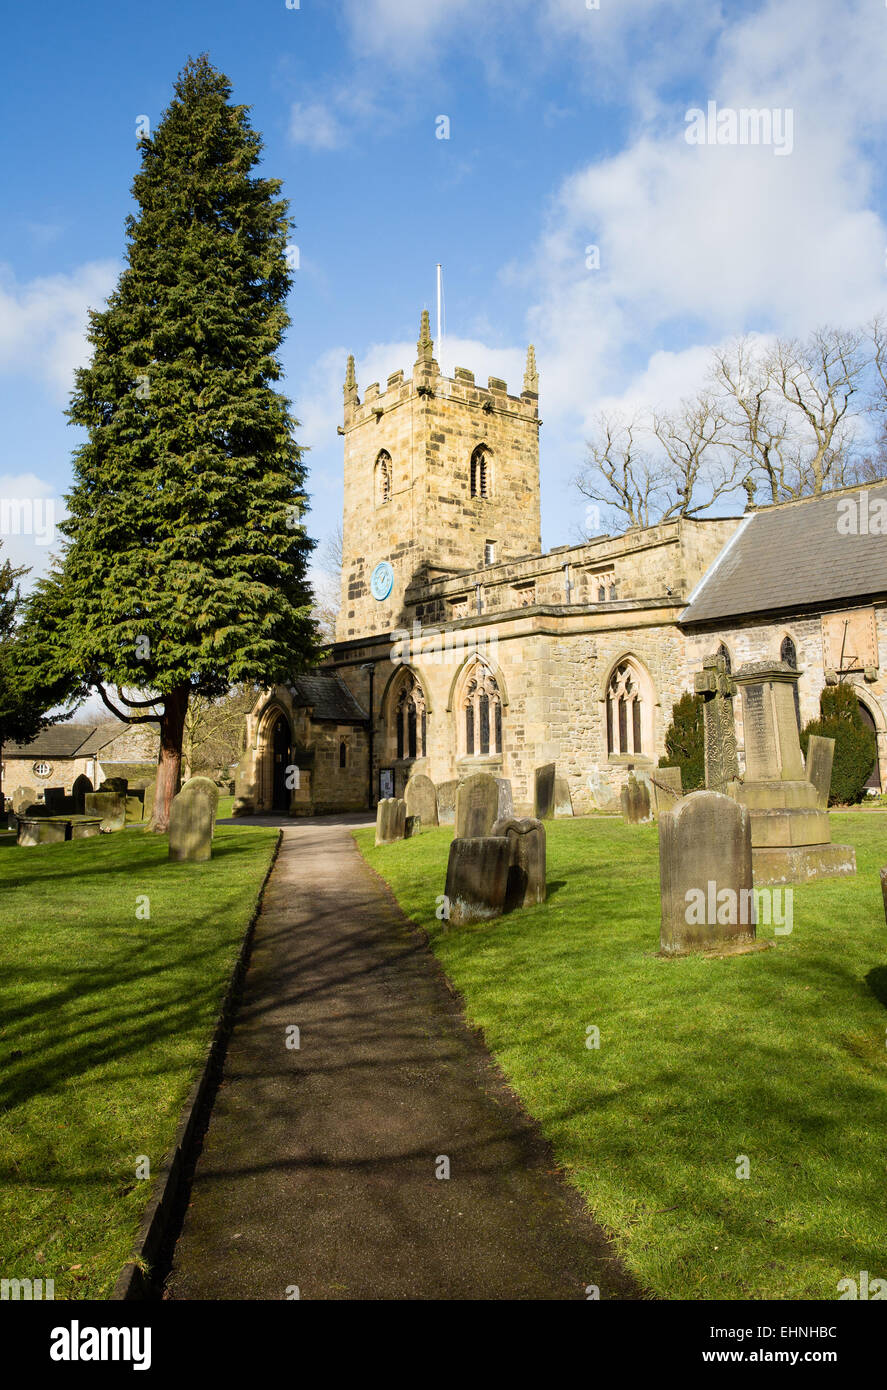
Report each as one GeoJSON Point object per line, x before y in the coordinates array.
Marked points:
{"type": "Point", "coordinates": [172, 728]}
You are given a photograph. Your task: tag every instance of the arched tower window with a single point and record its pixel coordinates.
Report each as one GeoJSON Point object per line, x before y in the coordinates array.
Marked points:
{"type": "Point", "coordinates": [382, 480]}
{"type": "Point", "coordinates": [722, 651]}
{"type": "Point", "coordinates": [410, 719]}
{"type": "Point", "coordinates": [480, 472]}
{"type": "Point", "coordinates": [629, 711]}
{"type": "Point", "coordinates": [480, 712]}
{"type": "Point", "coordinates": [343, 753]}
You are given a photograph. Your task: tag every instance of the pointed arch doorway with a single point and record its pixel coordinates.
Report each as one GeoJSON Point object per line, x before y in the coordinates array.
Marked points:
{"type": "Point", "coordinates": [281, 759]}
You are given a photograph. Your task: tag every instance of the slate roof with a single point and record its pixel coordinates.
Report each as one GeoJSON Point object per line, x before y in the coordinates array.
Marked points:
{"type": "Point", "coordinates": [69, 740]}
{"type": "Point", "coordinates": [329, 698]}
{"type": "Point", "coordinates": [792, 556]}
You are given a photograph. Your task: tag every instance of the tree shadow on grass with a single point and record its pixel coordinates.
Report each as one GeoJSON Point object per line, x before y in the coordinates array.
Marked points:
{"type": "Point", "coordinates": [877, 982]}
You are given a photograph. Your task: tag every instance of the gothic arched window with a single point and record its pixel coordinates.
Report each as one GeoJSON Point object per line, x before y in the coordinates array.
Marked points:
{"type": "Point", "coordinates": [382, 480]}
{"type": "Point", "coordinates": [788, 653]}
{"type": "Point", "coordinates": [410, 719]}
{"type": "Point", "coordinates": [480, 472]}
{"type": "Point", "coordinates": [343, 754]}
{"type": "Point", "coordinates": [481, 712]}
{"type": "Point", "coordinates": [629, 711]}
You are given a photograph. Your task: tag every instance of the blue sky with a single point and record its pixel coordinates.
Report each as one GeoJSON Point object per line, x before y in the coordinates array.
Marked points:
{"type": "Point", "coordinates": [567, 127]}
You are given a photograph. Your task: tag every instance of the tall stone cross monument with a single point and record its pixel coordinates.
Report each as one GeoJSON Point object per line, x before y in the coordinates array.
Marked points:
{"type": "Point", "coordinates": [717, 688]}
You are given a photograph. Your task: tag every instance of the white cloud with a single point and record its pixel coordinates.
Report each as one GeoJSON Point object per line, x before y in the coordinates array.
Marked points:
{"type": "Point", "coordinates": [700, 243]}
{"type": "Point", "coordinates": [315, 125]}
{"type": "Point", "coordinates": [30, 510]}
{"type": "Point", "coordinates": [43, 322]}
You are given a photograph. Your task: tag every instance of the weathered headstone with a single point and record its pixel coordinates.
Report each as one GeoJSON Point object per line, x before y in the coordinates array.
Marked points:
{"type": "Point", "coordinates": [53, 799]}
{"type": "Point", "coordinates": [477, 802]}
{"type": "Point", "coordinates": [563, 801]}
{"type": "Point", "coordinates": [820, 756]}
{"type": "Point", "coordinates": [411, 826]}
{"type": "Point", "coordinates": [526, 876]}
{"type": "Point", "coordinates": [245, 786]}
{"type": "Point", "coordinates": [505, 805]}
{"type": "Point", "coordinates": [600, 791]}
{"type": "Point", "coordinates": [421, 798]}
{"type": "Point", "coordinates": [543, 792]}
{"type": "Point", "coordinates": [115, 784]}
{"type": "Point", "coordinates": [205, 788]}
{"type": "Point", "coordinates": [667, 788]}
{"type": "Point", "coordinates": [477, 878]}
{"type": "Point", "coordinates": [82, 785]}
{"type": "Point", "coordinates": [110, 807]}
{"type": "Point", "coordinates": [135, 808]}
{"type": "Point", "coordinates": [23, 797]}
{"type": "Point", "coordinates": [148, 810]}
{"type": "Point", "coordinates": [446, 802]}
{"type": "Point", "coordinates": [391, 815]}
{"type": "Point", "coordinates": [705, 875]}
{"type": "Point", "coordinates": [192, 821]}
{"type": "Point", "coordinates": [635, 801]}
{"type": "Point", "coordinates": [717, 687]}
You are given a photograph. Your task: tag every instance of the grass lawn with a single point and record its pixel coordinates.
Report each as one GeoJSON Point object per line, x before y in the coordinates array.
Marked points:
{"type": "Point", "coordinates": [104, 1022]}
{"type": "Point", "coordinates": [778, 1055]}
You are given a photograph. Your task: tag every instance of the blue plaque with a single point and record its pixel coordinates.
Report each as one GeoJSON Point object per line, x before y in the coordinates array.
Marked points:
{"type": "Point", "coordinates": [382, 580]}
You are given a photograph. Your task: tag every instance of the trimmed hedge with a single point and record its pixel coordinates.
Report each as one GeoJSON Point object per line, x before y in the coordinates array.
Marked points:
{"type": "Point", "coordinates": [856, 746]}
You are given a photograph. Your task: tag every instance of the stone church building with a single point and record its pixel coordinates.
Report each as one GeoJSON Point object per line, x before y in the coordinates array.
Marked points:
{"type": "Point", "coordinates": [461, 647]}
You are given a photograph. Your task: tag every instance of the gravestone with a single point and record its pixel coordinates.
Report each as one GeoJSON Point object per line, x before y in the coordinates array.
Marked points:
{"type": "Point", "coordinates": [667, 788]}
{"type": "Point", "coordinates": [717, 688]}
{"type": "Point", "coordinates": [705, 875]}
{"type": "Point", "coordinates": [477, 801]}
{"type": "Point", "coordinates": [148, 805]}
{"type": "Point", "coordinates": [563, 801]}
{"type": "Point", "coordinates": [477, 878]}
{"type": "Point", "coordinates": [22, 798]}
{"type": "Point", "coordinates": [205, 788]}
{"type": "Point", "coordinates": [82, 785]}
{"type": "Point", "coordinates": [191, 822]}
{"type": "Point", "coordinates": [39, 830]}
{"type": "Point", "coordinates": [543, 792]}
{"type": "Point", "coordinates": [244, 787]}
{"type": "Point", "coordinates": [505, 804]}
{"type": "Point", "coordinates": [526, 875]}
{"type": "Point", "coordinates": [135, 808]}
{"type": "Point", "coordinates": [421, 798]}
{"type": "Point", "coordinates": [820, 756]}
{"type": "Point", "coordinates": [84, 827]}
{"type": "Point", "coordinates": [884, 890]}
{"type": "Point", "coordinates": [391, 815]}
{"type": "Point", "coordinates": [446, 803]}
{"type": "Point", "coordinates": [411, 826]}
{"type": "Point", "coordinates": [115, 784]}
{"type": "Point", "coordinates": [110, 807]}
{"type": "Point", "coordinates": [53, 799]}
{"type": "Point", "coordinates": [790, 829]}
{"type": "Point", "coordinates": [600, 791]}
{"type": "Point", "coordinates": [635, 801]}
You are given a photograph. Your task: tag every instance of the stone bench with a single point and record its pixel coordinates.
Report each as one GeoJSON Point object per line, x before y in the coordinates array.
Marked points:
{"type": "Point", "coordinates": [51, 830]}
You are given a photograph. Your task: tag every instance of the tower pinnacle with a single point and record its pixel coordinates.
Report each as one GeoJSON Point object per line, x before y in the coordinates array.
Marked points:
{"type": "Point", "coordinates": [531, 376]}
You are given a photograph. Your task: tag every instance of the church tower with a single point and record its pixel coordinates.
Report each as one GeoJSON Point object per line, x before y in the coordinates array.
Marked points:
{"type": "Point", "coordinates": [441, 476]}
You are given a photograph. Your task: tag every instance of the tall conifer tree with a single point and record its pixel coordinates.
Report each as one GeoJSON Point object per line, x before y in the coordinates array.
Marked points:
{"type": "Point", "coordinates": [185, 565]}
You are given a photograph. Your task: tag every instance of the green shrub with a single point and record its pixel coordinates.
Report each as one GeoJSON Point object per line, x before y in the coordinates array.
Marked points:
{"type": "Point", "coordinates": [855, 745]}
{"type": "Point", "coordinates": [685, 742]}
